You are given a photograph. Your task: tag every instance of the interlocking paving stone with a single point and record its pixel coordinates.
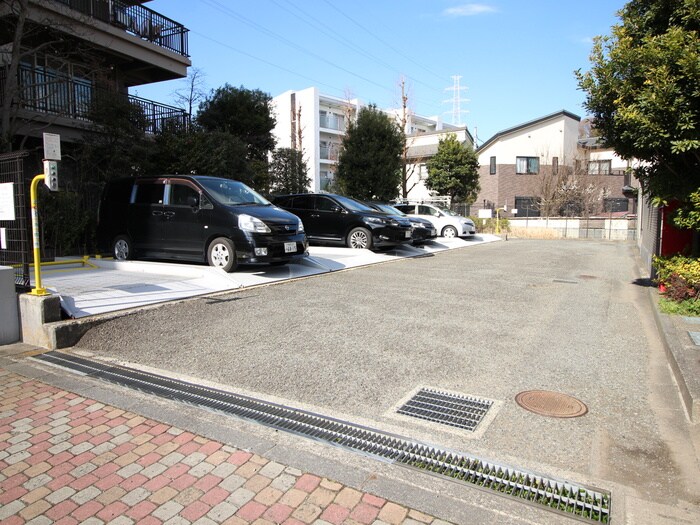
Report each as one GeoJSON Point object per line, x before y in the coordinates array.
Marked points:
{"type": "Point", "coordinates": [66, 458]}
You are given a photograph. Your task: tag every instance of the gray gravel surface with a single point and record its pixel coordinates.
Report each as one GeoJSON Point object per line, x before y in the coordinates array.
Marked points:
{"type": "Point", "coordinates": [487, 321]}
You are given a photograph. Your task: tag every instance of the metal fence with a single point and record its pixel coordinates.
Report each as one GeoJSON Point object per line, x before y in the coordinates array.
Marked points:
{"type": "Point", "coordinates": [14, 218]}
{"type": "Point", "coordinates": [137, 20]}
{"type": "Point", "coordinates": [54, 93]}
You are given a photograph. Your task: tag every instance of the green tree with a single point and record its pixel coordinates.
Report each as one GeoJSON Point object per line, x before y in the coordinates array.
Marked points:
{"type": "Point", "coordinates": [369, 166]}
{"type": "Point", "coordinates": [246, 117]}
{"type": "Point", "coordinates": [454, 170]}
{"type": "Point", "coordinates": [244, 113]}
{"type": "Point", "coordinates": [117, 145]}
{"type": "Point", "coordinates": [643, 92]}
{"type": "Point", "coordinates": [288, 172]}
{"type": "Point", "coordinates": [195, 151]}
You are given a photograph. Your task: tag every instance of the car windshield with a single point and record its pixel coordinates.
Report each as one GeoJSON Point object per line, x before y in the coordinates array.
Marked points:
{"type": "Point", "coordinates": [232, 192]}
{"type": "Point", "coordinates": [352, 204]}
{"type": "Point", "coordinates": [448, 212]}
{"type": "Point", "coordinates": [390, 210]}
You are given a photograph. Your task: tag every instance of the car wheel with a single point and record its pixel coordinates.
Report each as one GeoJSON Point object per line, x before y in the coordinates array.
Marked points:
{"type": "Point", "coordinates": [449, 232]}
{"type": "Point", "coordinates": [121, 248]}
{"type": "Point", "coordinates": [359, 238]}
{"type": "Point", "coordinates": [221, 254]}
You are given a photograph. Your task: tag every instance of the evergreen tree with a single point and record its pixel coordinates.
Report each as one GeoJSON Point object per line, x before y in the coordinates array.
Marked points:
{"type": "Point", "coordinates": [643, 91]}
{"type": "Point", "coordinates": [454, 170]}
{"type": "Point", "coordinates": [288, 172]}
{"type": "Point", "coordinates": [369, 166]}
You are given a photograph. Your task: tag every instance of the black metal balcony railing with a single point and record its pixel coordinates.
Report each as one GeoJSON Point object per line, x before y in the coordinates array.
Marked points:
{"type": "Point", "coordinates": [54, 94]}
{"type": "Point", "coordinates": [136, 19]}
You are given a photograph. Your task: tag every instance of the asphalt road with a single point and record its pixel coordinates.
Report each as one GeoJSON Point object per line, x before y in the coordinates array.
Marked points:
{"type": "Point", "coordinates": [486, 321]}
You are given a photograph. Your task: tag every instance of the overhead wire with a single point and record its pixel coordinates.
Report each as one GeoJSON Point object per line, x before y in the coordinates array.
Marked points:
{"type": "Point", "coordinates": [215, 4]}
{"type": "Point", "coordinates": [224, 9]}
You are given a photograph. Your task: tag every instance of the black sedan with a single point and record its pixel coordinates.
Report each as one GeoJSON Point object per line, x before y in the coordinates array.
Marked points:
{"type": "Point", "coordinates": [335, 219]}
{"type": "Point", "coordinates": [422, 229]}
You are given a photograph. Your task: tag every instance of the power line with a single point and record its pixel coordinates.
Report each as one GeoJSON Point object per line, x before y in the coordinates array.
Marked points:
{"type": "Point", "coordinates": [219, 7]}
{"type": "Point", "coordinates": [387, 44]}
{"type": "Point", "coordinates": [319, 26]}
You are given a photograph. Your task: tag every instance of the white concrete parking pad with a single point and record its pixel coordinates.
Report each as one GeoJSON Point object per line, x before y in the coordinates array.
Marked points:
{"type": "Point", "coordinates": [102, 285]}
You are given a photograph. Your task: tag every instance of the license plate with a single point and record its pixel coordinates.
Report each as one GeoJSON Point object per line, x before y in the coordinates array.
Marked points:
{"type": "Point", "coordinates": [408, 235]}
{"type": "Point", "coordinates": [290, 247]}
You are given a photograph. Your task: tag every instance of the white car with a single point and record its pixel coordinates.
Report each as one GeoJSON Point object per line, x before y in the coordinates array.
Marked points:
{"type": "Point", "coordinates": [446, 222]}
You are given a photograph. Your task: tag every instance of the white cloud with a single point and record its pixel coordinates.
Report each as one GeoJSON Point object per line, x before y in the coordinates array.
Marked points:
{"type": "Point", "coordinates": [469, 10]}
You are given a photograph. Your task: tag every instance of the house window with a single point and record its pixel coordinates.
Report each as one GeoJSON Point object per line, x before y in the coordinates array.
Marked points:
{"type": "Point", "coordinates": [615, 204]}
{"type": "Point", "coordinates": [555, 165]}
{"type": "Point", "coordinates": [527, 165]}
{"type": "Point", "coordinates": [599, 167]}
{"type": "Point", "coordinates": [492, 166]}
{"type": "Point", "coordinates": [527, 207]}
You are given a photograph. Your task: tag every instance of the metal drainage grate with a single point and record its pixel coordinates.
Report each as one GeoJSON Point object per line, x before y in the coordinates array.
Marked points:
{"type": "Point", "coordinates": [572, 499]}
{"type": "Point", "coordinates": [448, 409]}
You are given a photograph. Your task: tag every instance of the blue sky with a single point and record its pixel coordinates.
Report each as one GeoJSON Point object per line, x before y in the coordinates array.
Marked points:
{"type": "Point", "coordinates": [516, 58]}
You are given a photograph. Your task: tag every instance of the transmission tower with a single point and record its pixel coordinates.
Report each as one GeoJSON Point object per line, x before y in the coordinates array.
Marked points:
{"type": "Point", "coordinates": [456, 101]}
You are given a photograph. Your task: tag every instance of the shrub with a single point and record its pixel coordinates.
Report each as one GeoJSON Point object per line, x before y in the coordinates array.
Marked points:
{"type": "Point", "coordinates": [680, 275]}
{"type": "Point", "coordinates": [489, 225]}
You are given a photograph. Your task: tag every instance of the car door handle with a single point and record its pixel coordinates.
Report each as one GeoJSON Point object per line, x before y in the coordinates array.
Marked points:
{"type": "Point", "coordinates": [314, 215]}
{"type": "Point", "coordinates": [169, 214]}
{"type": "Point", "coordinates": [156, 213]}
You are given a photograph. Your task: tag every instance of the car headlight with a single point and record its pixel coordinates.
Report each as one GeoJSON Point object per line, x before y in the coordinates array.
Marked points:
{"type": "Point", "coordinates": [417, 225]}
{"type": "Point", "coordinates": [375, 220]}
{"type": "Point", "coordinates": [300, 229]}
{"type": "Point", "coordinates": [467, 221]}
{"type": "Point", "coordinates": [252, 224]}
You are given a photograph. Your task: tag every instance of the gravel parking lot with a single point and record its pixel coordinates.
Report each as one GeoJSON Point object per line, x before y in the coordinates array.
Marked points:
{"type": "Point", "coordinates": [488, 321]}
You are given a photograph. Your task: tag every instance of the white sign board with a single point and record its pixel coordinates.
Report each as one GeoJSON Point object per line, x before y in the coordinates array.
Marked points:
{"type": "Point", "coordinates": [485, 214]}
{"type": "Point", "coordinates": [3, 239]}
{"type": "Point", "coordinates": [7, 201]}
{"type": "Point", "coordinates": [52, 146]}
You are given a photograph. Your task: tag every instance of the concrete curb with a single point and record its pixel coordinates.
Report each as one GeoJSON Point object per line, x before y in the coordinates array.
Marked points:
{"type": "Point", "coordinates": [684, 365]}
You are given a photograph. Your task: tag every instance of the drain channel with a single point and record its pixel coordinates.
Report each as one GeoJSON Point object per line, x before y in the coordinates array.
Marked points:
{"type": "Point", "coordinates": [449, 409]}
{"type": "Point", "coordinates": [573, 499]}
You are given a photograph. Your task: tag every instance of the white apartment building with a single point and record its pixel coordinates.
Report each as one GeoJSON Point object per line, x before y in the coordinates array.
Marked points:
{"type": "Point", "coordinates": [316, 124]}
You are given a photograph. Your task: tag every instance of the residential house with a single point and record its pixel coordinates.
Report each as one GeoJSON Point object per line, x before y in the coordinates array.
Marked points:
{"type": "Point", "coordinates": [522, 167]}
{"type": "Point", "coordinates": [423, 145]}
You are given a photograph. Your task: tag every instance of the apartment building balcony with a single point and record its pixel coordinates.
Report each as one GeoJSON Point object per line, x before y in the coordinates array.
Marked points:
{"type": "Point", "coordinates": [330, 123]}
{"type": "Point", "coordinates": [137, 20]}
{"type": "Point", "coordinates": [140, 45]}
{"type": "Point", "coordinates": [66, 102]}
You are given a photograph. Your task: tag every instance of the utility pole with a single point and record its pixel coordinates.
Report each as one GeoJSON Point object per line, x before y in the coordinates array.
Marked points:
{"type": "Point", "coordinates": [456, 100]}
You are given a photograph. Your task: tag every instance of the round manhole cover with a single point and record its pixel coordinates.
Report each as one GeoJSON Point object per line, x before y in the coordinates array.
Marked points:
{"type": "Point", "coordinates": [551, 404]}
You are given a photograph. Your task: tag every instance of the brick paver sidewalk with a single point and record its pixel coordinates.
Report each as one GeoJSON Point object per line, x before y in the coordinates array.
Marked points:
{"type": "Point", "coordinates": [67, 459]}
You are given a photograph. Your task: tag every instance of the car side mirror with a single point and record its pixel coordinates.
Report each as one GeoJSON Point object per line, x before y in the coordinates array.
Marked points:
{"type": "Point", "coordinates": [337, 209]}
{"type": "Point", "coordinates": [193, 202]}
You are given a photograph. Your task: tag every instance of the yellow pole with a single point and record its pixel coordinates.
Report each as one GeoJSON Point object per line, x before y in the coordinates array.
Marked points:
{"type": "Point", "coordinates": [38, 290]}
{"type": "Point", "coordinates": [498, 221]}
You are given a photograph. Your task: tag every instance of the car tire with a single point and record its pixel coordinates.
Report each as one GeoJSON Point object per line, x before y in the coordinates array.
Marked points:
{"type": "Point", "coordinates": [122, 249]}
{"type": "Point", "coordinates": [449, 232]}
{"type": "Point", "coordinates": [359, 238]}
{"type": "Point", "coordinates": [278, 263]}
{"type": "Point", "coordinates": [222, 254]}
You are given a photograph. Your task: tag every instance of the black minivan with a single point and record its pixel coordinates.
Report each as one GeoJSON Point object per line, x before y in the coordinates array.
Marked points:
{"type": "Point", "coordinates": [196, 218]}
{"type": "Point", "coordinates": [334, 219]}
